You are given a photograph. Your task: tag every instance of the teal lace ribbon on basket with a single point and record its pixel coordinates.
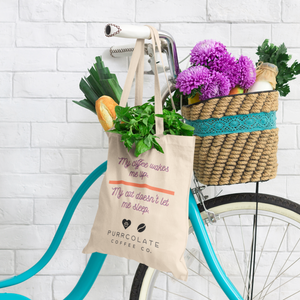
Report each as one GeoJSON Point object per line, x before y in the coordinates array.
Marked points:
{"type": "Point", "coordinates": [234, 124]}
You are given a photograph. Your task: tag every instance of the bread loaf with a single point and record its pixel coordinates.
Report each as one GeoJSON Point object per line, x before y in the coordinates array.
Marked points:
{"type": "Point", "coordinates": [105, 109]}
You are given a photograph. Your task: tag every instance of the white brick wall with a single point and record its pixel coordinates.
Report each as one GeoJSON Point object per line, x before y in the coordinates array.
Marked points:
{"type": "Point", "coordinates": [48, 145]}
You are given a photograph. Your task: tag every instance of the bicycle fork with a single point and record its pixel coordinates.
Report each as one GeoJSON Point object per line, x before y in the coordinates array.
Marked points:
{"type": "Point", "coordinates": [209, 253]}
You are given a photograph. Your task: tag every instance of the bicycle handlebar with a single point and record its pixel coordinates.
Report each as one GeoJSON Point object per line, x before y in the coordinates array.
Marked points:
{"type": "Point", "coordinates": [127, 31]}
{"type": "Point", "coordinates": [143, 32]}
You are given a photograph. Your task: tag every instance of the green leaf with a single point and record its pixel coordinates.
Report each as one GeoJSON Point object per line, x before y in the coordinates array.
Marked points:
{"type": "Point", "coordinates": [95, 76]}
{"type": "Point", "coordinates": [88, 91]}
{"type": "Point", "coordinates": [145, 121]}
{"type": "Point", "coordinates": [86, 104]}
{"type": "Point", "coordinates": [94, 73]}
{"type": "Point", "coordinates": [111, 88]}
{"type": "Point", "coordinates": [148, 140]}
{"type": "Point", "coordinates": [187, 127]}
{"type": "Point", "coordinates": [159, 115]}
{"type": "Point", "coordinates": [187, 132]}
{"type": "Point", "coordinates": [104, 73]}
{"type": "Point", "coordinates": [157, 146]}
{"type": "Point", "coordinates": [148, 109]}
{"type": "Point", "coordinates": [122, 112]}
{"type": "Point", "coordinates": [151, 100]}
{"type": "Point", "coordinates": [141, 147]}
{"type": "Point", "coordinates": [129, 143]}
{"type": "Point", "coordinates": [151, 120]}
{"type": "Point", "coordinates": [94, 85]}
{"type": "Point", "coordinates": [284, 90]}
{"type": "Point", "coordinates": [143, 129]}
{"type": "Point", "coordinates": [99, 62]}
{"type": "Point", "coordinates": [195, 91]}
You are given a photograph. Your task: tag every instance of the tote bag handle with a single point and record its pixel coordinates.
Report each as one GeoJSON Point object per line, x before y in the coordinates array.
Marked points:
{"type": "Point", "coordinates": [137, 68]}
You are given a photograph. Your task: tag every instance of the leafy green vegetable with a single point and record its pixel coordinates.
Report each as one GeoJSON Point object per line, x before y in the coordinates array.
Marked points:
{"type": "Point", "coordinates": [279, 57]}
{"type": "Point", "coordinates": [88, 92]}
{"type": "Point", "coordinates": [137, 127]}
{"type": "Point", "coordinates": [100, 82]}
{"type": "Point", "coordinates": [173, 124]}
{"type": "Point", "coordinates": [86, 104]}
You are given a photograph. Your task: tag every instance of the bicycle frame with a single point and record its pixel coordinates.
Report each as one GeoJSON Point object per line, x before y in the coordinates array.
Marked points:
{"type": "Point", "coordinates": [96, 260]}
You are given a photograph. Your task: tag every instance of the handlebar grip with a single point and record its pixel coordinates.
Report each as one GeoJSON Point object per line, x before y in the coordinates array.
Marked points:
{"type": "Point", "coordinates": [121, 51]}
{"type": "Point", "coordinates": [127, 31]}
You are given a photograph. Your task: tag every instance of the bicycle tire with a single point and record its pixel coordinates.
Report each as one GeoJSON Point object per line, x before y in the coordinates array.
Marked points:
{"type": "Point", "coordinates": [277, 208]}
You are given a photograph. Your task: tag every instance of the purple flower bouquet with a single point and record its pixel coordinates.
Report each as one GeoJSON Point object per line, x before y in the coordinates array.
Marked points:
{"type": "Point", "coordinates": [214, 72]}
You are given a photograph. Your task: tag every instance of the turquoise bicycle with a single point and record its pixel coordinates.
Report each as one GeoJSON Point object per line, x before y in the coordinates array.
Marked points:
{"type": "Point", "coordinates": [241, 246]}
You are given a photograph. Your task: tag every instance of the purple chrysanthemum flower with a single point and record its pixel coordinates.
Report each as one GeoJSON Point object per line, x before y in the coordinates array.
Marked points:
{"type": "Point", "coordinates": [206, 51]}
{"type": "Point", "coordinates": [214, 84]}
{"type": "Point", "coordinates": [219, 85]}
{"type": "Point", "coordinates": [192, 78]}
{"type": "Point", "coordinates": [215, 56]}
{"type": "Point", "coordinates": [227, 65]}
{"type": "Point", "coordinates": [246, 71]}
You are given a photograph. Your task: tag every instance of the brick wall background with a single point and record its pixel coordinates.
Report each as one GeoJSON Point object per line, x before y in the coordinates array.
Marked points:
{"type": "Point", "coordinates": [48, 145]}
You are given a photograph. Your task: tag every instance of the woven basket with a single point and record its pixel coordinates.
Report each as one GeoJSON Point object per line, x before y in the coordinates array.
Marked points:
{"type": "Point", "coordinates": [240, 157]}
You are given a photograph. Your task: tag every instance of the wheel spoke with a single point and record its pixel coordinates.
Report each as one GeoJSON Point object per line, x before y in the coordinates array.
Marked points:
{"type": "Point", "coordinates": [274, 261]}
{"type": "Point", "coordinates": [291, 295]}
{"type": "Point", "coordinates": [266, 238]}
{"type": "Point", "coordinates": [200, 261]}
{"type": "Point", "coordinates": [205, 278]}
{"type": "Point", "coordinates": [234, 252]}
{"type": "Point", "coordinates": [289, 258]}
{"type": "Point", "coordinates": [242, 234]}
{"type": "Point", "coordinates": [185, 285]}
{"type": "Point", "coordinates": [250, 276]}
{"type": "Point", "coordinates": [283, 284]}
{"type": "Point", "coordinates": [263, 247]}
{"type": "Point", "coordinates": [172, 293]}
{"type": "Point", "coordinates": [245, 254]}
{"type": "Point", "coordinates": [278, 276]}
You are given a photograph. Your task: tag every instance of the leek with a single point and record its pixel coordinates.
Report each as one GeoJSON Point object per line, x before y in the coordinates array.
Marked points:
{"type": "Point", "coordinates": [100, 82]}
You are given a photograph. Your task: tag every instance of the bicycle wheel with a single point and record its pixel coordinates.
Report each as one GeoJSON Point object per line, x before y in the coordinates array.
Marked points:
{"type": "Point", "coordinates": [277, 267]}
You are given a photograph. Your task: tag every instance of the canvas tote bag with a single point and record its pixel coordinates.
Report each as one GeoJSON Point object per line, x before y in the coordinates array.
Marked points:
{"type": "Point", "coordinates": [143, 202]}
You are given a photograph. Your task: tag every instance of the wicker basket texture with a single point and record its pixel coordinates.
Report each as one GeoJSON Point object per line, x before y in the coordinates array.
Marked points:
{"type": "Point", "coordinates": [235, 157]}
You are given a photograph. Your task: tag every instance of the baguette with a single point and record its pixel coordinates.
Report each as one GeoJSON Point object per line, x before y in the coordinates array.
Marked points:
{"type": "Point", "coordinates": [105, 109]}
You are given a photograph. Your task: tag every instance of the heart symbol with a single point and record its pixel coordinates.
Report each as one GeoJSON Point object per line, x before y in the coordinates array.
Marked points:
{"type": "Point", "coordinates": [126, 223]}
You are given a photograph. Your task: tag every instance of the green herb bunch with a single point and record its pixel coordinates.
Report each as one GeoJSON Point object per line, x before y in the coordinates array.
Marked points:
{"type": "Point", "coordinates": [137, 127]}
{"type": "Point", "coordinates": [279, 57]}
